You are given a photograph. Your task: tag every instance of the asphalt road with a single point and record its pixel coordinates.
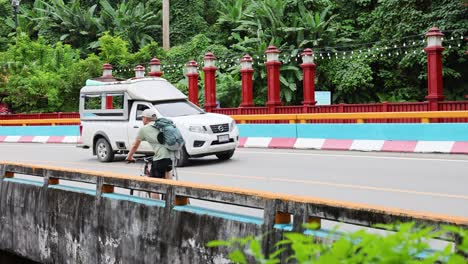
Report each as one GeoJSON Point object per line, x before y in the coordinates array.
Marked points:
{"type": "Point", "coordinates": [435, 183]}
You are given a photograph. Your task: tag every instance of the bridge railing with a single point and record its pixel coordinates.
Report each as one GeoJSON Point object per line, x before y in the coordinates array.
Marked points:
{"type": "Point", "coordinates": [299, 109]}
{"type": "Point", "coordinates": [423, 117]}
{"type": "Point", "coordinates": [277, 208]}
{"type": "Point", "coordinates": [40, 116]}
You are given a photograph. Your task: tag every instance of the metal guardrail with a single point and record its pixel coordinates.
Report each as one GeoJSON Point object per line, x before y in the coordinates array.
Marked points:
{"type": "Point", "coordinates": [278, 208]}
{"type": "Point", "coordinates": [292, 118]}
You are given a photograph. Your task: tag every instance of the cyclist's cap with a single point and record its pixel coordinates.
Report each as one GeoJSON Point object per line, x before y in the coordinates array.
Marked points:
{"type": "Point", "coordinates": [149, 113]}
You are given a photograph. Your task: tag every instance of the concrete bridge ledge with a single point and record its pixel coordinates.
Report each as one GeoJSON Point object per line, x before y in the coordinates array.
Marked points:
{"type": "Point", "coordinates": [135, 199]}
{"type": "Point", "coordinates": [24, 181]}
{"type": "Point", "coordinates": [63, 224]}
{"type": "Point", "coordinates": [217, 213]}
{"type": "Point", "coordinates": [73, 189]}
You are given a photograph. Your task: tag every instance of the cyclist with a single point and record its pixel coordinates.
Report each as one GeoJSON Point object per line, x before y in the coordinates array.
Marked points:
{"type": "Point", "coordinates": [162, 163]}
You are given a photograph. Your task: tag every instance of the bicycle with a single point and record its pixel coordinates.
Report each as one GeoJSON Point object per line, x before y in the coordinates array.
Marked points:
{"type": "Point", "coordinates": [146, 171]}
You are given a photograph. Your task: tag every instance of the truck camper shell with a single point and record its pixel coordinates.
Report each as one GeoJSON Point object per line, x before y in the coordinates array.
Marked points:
{"type": "Point", "coordinates": [147, 89]}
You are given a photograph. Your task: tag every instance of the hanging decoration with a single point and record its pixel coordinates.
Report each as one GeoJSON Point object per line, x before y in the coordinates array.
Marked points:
{"type": "Point", "coordinates": [412, 45]}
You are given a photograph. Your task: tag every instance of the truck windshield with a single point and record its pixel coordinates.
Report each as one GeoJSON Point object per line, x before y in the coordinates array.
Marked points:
{"type": "Point", "coordinates": [179, 108]}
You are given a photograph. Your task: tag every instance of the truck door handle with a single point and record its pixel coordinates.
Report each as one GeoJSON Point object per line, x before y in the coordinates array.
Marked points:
{"type": "Point", "coordinates": [136, 127]}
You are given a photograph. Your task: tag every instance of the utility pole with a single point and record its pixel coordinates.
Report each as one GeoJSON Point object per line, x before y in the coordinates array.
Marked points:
{"type": "Point", "coordinates": [165, 25]}
{"type": "Point", "coordinates": [15, 5]}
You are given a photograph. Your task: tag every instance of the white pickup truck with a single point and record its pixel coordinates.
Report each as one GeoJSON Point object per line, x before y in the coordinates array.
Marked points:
{"type": "Point", "coordinates": [109, 127]}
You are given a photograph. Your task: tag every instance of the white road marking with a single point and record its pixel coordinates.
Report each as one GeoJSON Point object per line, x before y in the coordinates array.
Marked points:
{"type": "Point", "coordinates": [324, 154]}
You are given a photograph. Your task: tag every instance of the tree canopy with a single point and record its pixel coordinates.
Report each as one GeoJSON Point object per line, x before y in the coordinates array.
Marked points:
{"type": "Point", "coordinates": [365, 50]}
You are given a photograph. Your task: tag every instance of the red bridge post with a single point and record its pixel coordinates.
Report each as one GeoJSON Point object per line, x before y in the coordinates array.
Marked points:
{"type": "Point", "coordinates": [192, 75]}
{"type": "Point", "coordinates": [247, 84]}
{"type": "Point", "coordinates": [139, 72]}
{"type": "Point", "coordinates": [210, 81]}
{"type": "Point", "coordinates": [434, 68]}
{"type": "Point", "coordinates": [273, 76]}
{"type": "Point", "coordinates": [308, 80]}
{"type": "Point", "coordinates": [155, 68]}
{"type": "Point", "coordinates": [107, 74]}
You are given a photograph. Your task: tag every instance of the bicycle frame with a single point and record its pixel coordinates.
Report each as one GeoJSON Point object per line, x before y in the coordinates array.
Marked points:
{"type": "Point", "coordinates": [146, 169]}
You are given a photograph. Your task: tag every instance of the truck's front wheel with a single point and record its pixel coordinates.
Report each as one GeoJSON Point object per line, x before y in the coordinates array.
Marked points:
{"type": "Point", "coordinates": [184, 158]}
{"type": "Point", "coordinates": [104, 150]}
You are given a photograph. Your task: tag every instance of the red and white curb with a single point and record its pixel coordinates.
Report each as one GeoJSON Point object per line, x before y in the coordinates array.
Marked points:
{"type": "Point", "coordinates": [453, 147]}
{"type": "Point", "coordinates": [40, 139]}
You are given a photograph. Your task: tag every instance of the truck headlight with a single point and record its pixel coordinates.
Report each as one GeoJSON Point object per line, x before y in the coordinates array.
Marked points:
{"type": "Point", "coordinates": [198, 129]}
{"type": "Point", "coordinates": [232, 125]}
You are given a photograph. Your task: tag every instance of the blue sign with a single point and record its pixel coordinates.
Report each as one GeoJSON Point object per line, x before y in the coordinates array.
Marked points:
{"type": "Point", "coordinates": [323, 98]}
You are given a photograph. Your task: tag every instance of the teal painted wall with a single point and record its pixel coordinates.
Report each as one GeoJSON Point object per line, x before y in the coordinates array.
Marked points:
{"type": "Point", "coordinates": [430, 132]}
{"type": "Point", "coordinates": [39, 131]}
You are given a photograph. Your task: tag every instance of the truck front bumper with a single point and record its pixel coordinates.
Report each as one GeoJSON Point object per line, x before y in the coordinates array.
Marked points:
{"type": "Point", "coordinates": [209, 144]}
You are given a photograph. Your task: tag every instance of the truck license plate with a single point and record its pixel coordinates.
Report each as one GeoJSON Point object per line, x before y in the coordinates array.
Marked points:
{"type": "Point", "coordinates": [223, 138]}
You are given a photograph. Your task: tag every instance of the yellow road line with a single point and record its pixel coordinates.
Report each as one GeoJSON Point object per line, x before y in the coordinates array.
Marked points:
{"type": "Point", "coordinates": [339, 185]}
{"type": "Point", "coordinates": [363, 187]}
{"type": "Point", "coordinates": [227, 175]}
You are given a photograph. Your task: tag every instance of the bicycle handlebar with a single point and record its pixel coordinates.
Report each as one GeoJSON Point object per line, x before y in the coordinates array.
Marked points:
{"type": "Point", "coordinates": [145, 159]}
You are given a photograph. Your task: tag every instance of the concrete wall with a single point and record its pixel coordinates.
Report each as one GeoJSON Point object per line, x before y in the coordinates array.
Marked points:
{"type": "Point", "coordinates": [50, 222]}
{"type": "Point", "coordinates": [67, 225]}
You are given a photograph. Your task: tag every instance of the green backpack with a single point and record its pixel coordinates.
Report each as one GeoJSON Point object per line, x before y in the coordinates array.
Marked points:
{"type": "Point", "coordinates": [169, 135]}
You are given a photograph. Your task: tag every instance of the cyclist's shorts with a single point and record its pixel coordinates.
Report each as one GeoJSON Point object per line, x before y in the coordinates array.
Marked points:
{"type": "Point", "coordinates": [160, 167]}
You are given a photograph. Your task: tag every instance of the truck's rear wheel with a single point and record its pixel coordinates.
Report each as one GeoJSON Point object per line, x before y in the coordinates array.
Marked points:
{"type": "Point", "coordinates": [104, 150]}
{"type": "Point", "coordinates": [225, 155]}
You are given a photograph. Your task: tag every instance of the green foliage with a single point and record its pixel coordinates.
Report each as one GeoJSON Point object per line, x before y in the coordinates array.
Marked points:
{"type": "Point", "coordinates": [289, 25]}
{"type": "Point", "coordinates": [113, 50]}
{"type": "Point", "coordinates": [31, 21]}
{"type": "Point", "coordinates": [228, 90]}
{"type": "Point", "coordinates": [186, 20]}
{"type": "Point", "coordinates": [80, 23]}
{"type": "Point", "coordinates": [179, 55]}
{"type": "Point", "coordinates": [406, 245]}
{"type": "Point", "coordinates": [5, 30]}
{"type": "Point", "coordinates": [44, 78]}
{"type": "Point", "coordinates": [349, 80]}
{"type": "Point", "coordinates": [404, 78]}
{"type": "Point", "coordinates": [145, 54]}
{"type": "Point", "coordinates": [134, 21]}
{"type": "Point", "coordinates": [75, 76]}
{"type": "Point", "coordinates": [74, 24]}
{"type": "Point", "coordinates": [126, 33]}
